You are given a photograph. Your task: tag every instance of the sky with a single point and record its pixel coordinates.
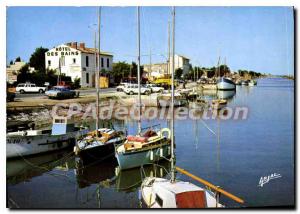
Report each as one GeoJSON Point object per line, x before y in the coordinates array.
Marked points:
{"type": "Point", "coordinates": [252, 38]}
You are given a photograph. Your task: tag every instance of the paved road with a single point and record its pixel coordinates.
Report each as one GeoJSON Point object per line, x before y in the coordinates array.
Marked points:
{"type": "Point", "coordinates": [82, 92]}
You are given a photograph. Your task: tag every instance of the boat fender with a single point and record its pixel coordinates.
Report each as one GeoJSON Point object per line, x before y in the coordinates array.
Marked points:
{"type": "Point", "coordinates": [161, 152]}
{"type": "Point", "coordinates": [151, 155]}
{"type": "Point", "coordinates": [76, 150]}
{"type": "Point", "coordinates": [166, 130]}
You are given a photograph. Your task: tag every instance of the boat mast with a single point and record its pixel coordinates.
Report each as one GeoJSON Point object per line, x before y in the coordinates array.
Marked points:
{"type": "Point", "coordinates": [172, 104]}
{"type": "Point", "coordinates": [168, 61]}
{"type": "Point", "coordinates": [138, 69]}
{"type": "Point", "coordinates": [97, 72]}
{"type": "Point", "coordinates": [218, 67]}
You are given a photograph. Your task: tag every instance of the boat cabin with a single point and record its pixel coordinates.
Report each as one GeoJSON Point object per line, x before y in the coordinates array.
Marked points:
{"type": "Point", "coordinates": [62, 125]}
{"type": "Point", "coordinates": [179, 195]}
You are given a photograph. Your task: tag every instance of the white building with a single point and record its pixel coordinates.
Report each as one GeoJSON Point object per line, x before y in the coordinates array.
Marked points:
{"type": "Point", "coordinates": [158, 70]}
{"type": "Point", "coordinates": [12, 71]}
{"type": "Point", "coordinates": [77, 62]}
{"type": "Point", "coordinates": [181, 62]}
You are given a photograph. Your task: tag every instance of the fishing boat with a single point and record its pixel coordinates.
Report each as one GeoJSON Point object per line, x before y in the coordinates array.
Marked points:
{"type": "Point", "coordinates": [245, 82]}
{"type": "Point", "coordinates": [145, 148]}
{"type": "Point", "coordinates": [100, 143]}
{"type": "Point", "coordinates": [199, 103]}
{"type": "Point", "coordinates": [150, 144]}
{"type": "Point", "coordinates": [30, 142]}
{"type": "Point", "coordinates": [164, 100]}
{"type": "Point", "coordinates": [172, 193]}
{"type": "Point", "coordinates": [225, 84]}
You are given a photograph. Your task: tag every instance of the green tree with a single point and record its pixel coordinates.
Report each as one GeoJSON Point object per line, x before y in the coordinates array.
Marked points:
{"type": "Point", "coordinates": [120, 71]}
{"type": "Point", "coordinates": [18, 59]}
{"type": "Point", "coordinates": [211, 72]}
{"type": "Point", "coordinates": [37, 59]}
{"type": "Point", "coordinates": [134, 69]}
{"type": "Point", "coordinates": [24, 74]}
{"type": "Point", "coordinates": [178, 73]}
{"type": "Point", "coordinates": [76, 83]}
{"type": "Point", "coordinates": [11, 62]}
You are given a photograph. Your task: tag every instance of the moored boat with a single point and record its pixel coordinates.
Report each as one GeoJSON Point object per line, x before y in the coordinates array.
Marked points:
{"type": "Point", "coordinates": [252, 83]}
{"type": "Point", "coordinates": [144, 149]}
{"type": "Point", "coordinates": [98, 145]}
{"type": "Point", "coordinates": [162, 193]}
{"type": "Point", "coordinates": [164, 100]}
{"type": "Point", "coordinates": [225, 84]}
{"type": "Point", "coordinates": [31, 142]}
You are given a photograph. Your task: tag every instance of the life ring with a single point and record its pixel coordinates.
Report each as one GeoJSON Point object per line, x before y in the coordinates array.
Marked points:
{"type": "Point", "coordinates": [166, 130]}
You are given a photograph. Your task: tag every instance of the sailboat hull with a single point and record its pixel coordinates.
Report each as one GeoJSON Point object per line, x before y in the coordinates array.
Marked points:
{"type": "Point", "coordinates": [225, 84]}
{"type": "Point", "coordinates": [98, 150]}
{"type": "Point", "coordinates": [137, 159]}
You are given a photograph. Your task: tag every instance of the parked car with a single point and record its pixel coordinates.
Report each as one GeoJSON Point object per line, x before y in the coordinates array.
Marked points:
{"type": "Point", "coordinates": [29, 88]}
{"type": "Point", "coordinates": [134, 89]}
{"type": "Point", "coordinates": [61, 92]}
{"type": "Point", "coordinates": [155, 88]}
{"type": "Point", "coordinates": [121, 86]}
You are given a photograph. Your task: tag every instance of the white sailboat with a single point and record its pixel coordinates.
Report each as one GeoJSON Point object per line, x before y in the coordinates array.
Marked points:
{"type": "Point", "coordinates": [150, 144]}
{"type": "Point", "coordinates": [172, 193]}
{"type": "Point", "coordinates": [225, 83]}
{"type": "Point", "coordinates": [101, 142]}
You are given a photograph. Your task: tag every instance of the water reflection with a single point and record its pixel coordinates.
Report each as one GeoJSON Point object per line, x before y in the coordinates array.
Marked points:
{"type": "Point", "coordinates": [88, 173]}
{"type": "Point", "coordinates": [25, 168]}
{"type": "Point", "coordinates": [228, 95]}
{"type": "Point", "coordinates": [130, 180]}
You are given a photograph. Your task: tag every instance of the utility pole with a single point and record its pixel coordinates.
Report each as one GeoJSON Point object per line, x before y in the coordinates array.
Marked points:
{"type": "Point", "coordinates": [150, 69]}
{"type": "Point", "coordinates": [172, 105]}
{"type": "Point", "coordinates": [168, 61]}
{"type": "Point", "coordinates": [97, 71]}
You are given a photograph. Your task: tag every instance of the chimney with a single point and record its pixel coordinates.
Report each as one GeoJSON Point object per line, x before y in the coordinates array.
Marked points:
{"type": "Point", "coordinates": [82, 45]}
{"type": "Point", "coordinates": [74, 45]}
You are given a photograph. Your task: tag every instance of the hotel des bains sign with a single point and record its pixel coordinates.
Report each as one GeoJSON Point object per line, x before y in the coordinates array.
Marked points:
{"type": "Point", "coordinates": [63, 51]}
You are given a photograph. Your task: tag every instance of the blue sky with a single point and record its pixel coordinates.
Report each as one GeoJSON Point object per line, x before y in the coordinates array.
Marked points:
{"type": "Point", "coordinates": [252, 38]}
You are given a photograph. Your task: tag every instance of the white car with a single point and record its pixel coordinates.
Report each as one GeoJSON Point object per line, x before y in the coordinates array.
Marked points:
{"type": "Point", "coordinates": [121, 86]}
{"type": "Point", "coordinates": [134, 89]}
{"type": "Point", "coordinates": [29, 88]}
{"type": "Point", "coordinates": [155, 88]}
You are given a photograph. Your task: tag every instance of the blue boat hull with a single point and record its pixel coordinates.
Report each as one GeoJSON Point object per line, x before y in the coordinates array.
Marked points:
{"type": "Point", "coordinates": [225, 84]}
{"type": "Point", "coordinates": [137, 159]}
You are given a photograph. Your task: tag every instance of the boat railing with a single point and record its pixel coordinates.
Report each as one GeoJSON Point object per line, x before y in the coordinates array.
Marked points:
{"type": "Point", "coordinates": [151, 127]}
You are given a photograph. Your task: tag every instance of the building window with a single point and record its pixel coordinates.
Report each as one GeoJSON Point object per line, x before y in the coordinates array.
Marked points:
{"type": "Point", "coordinates": [87, 78]}
{"type": "Point", "coordinates": [107, 62]}
{"type": "Point", "coordinates": [49, 62]}
{"type": "Point", "coordinates": [87, 61]}
{"type": "Point", "coordinates": [74, 60]}
{"type": "Point", "coordinates": [102, 62]}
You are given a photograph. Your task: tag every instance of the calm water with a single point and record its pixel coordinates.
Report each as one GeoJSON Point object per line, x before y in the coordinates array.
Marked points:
{"type": "Point", "coordinates": [246, 150]}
